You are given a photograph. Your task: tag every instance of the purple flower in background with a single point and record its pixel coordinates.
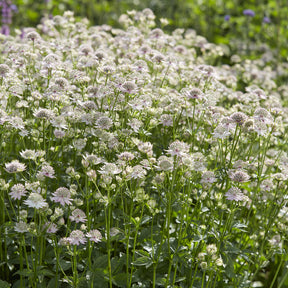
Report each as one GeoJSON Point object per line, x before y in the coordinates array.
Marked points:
{"type": "Point", "coordinates": [5, 30]}
{"type": "Point", "coordinates": [14, 8]}
{"type": "Point", "coordinates": [7, 9]}
{"type": "Point", "coordinates": [266, 20]}
{"type": "Point", "coordinates": [227, 17]}
{"type": "Point", "coordinates": [249, 12]}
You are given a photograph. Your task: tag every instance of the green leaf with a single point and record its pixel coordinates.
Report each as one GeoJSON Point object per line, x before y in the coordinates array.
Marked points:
{"type": "Point", "coordinates": [240, 226]}
{"type": "Point", "coordinates": [46, 272]}
{"type": "Point", "coordinates": [101, 262]}
{"type": "Point", "coordinates": [4, 284]}
{"type": "Point", "coordinates": [161, 281]}
{"type": "Point", "coordinates": [143, 261]}
{"type": "Point", "coordinates": [120, 280]}
{"type": "Point", "coordinates": [145, 219]}
{"type": "Point", "coordinates": [180, 279]}
{"type": "Point", "coordinates": [65, 265]}
{"type": "Point", "coordinates": [24, 272]}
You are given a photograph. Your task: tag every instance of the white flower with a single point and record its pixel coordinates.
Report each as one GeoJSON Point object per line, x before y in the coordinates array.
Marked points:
{"type": "Point", "coordinates": [35, 200]}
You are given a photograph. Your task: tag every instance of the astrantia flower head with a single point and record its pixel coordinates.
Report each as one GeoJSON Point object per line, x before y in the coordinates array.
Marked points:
{"type": "Point", "coordinates": [76, 237]}
{"type": "Point", "coordinates": [165, 164]}
{"type": "Point", "coordinates": [104, 122]}
{"type": "Point", "coordinates": [94, 235]}
{"type": "Point", "coordinates": [109, 169]}
{"type": "Point", "coordinates": [194, 93]}
{"type": "Point", "coordinates": [208, 177]}
{"type": "Point", "coordinates": [138, 172]}
{"type": "Point", "coordinates": [178, 148]}
{"type": "Point", "coordinates": [4, 69]}
{"type": "Point", "coordinates": [262, 115]}
{"type": "Point", "coordinates": [46, 171]}
{"type": "Point", "coordinates": [35, 200]}
{"type": "Point", "coordinates": [239, 118]}
{"type": "Point", "coordinates": [239, 176]}
{"type": "Point", "coordinates": [50, 228]}
{"type": "Point", "coordinates": [78, 216]}
{"type": "Point", "coordinates": [29, 154]}
{"type": "Point", "coordinates": [126, 156]}
{"type": "Point", "coordinates": [44, 113]}
{"type": "Point", "coordinates": [62, 195]}
{"type": "Point", "coordinates": [221, 132]}
{"type": "Point", "coordinates": [235, 194]}
{"type": "Point", "coordinates": [166, 120]}
{"type": "Point", "coordinates": [17, 191]}
{"type": "Point", "coordinates": [14, 167]}
{"type": "Point", "coordinates": [21, 227]}
{"type": "Point", "coordinates": [33, 36]}
{"type": "Point", "coordinates": [129, 87]}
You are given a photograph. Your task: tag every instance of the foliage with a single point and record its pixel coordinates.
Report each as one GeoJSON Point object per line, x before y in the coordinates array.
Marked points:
{"type": "Point", "coordinates": [268, 27]}
{"type": "Point", "coordinates": [135, 158]}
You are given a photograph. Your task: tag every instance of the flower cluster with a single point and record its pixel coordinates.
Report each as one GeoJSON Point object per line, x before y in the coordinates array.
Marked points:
{"type": "Point", "coordinates": [135, 140]}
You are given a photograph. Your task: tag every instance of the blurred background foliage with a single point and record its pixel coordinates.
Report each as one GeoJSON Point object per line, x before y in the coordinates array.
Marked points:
{"type": "Point", "coordinates": [220, 21]}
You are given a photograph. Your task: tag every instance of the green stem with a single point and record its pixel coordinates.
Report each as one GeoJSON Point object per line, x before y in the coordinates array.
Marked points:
{"type": "Point", "coordinates": [108, 224]}
{"type": "Point", "coordinates": [276, 273]}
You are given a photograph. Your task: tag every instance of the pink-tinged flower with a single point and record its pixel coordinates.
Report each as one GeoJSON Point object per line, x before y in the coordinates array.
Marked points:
{"type": "Point", "coordinates": [17, 191]}
{"type": "Point", "coordinates": [62, 196]}
{"type": "Point", "coordinates": [239, 176]}
{"type": "Point", "coordinates": [94, 235]}
{"type": "Point", "coordinates": [50, 228]}
{"type": "Point", "coordinates": [129, 87]}
{"type": "Point", "coordinates": [77, 237]}
{"type": "Point", "coordinates": [35, 200]}
{"type": "Point", "coordinates": [78, 216]}
{"type": "Point", "coordinates": [14, 167]}
{"type": "Point", "coordinates": [178, 148]}
{"type": "Point", "coordinates": [46, 171]}
{"type": "Point", "coordinates": [64, 241]}
{"type": "Point", "coordinates": [235, 194]}
{"type": "Point", "coordinates": [208, 177]}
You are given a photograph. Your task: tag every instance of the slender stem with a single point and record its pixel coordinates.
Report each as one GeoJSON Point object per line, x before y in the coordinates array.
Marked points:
{"type": "Point", "coordinates": [276, 273]}
{"type": "Point", "coordinates": [108, 224]}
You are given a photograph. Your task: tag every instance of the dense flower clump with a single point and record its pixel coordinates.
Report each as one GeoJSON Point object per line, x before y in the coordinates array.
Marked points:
{"type": "Point", "coordinates": [130, 158]}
